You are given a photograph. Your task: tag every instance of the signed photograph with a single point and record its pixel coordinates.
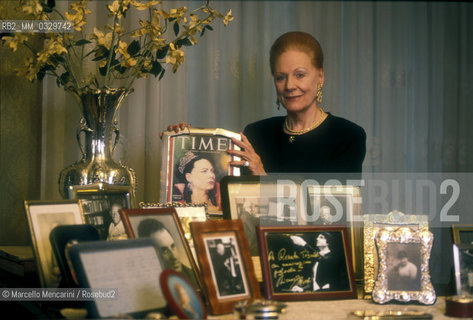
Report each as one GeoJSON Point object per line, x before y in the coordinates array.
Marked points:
{"type": "Point", "coordinates": [306, 262]}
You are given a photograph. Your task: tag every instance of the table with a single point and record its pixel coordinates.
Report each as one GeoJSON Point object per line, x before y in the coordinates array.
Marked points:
{"type": "Point", "coordinates": [340, 309]}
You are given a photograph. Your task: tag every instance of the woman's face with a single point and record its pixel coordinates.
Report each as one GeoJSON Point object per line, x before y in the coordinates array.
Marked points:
{"type": "Point", "coordinates": [296, 80]}
{"type": "Point", "coordinates": [202, 175]}
{"type": "Point", "coordinates": [321, 241]}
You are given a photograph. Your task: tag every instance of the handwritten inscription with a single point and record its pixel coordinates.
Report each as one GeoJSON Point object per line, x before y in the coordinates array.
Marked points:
{"type": "Point", "coordinates": [290, 267]}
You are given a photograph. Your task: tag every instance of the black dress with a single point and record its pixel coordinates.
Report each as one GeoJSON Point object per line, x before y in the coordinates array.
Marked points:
{"type": "Point", "coordinates": [336, 146]}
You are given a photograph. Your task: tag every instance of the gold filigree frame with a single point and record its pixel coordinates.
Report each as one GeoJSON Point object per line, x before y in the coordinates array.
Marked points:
{"type": "Point", "coordinates": [372, 224]}
{"type": "Point", "coordinates": [404, 235]}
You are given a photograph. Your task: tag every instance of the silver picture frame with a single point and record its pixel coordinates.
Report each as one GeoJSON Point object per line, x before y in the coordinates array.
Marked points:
{"type": "Point", "coordinates": [372, 223]}
{"type": "Point", "coordinates": [403, 274]}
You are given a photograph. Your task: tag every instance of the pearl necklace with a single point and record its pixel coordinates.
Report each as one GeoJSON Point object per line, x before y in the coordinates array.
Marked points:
{"type": "Point", "coordinates": [293, 133]}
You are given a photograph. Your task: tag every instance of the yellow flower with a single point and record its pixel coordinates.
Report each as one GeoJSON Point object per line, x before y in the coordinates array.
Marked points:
{"type": "Point", "coordinates": [228, 17]}
{"type": "Point", "coordinates": [33, 8]}
{"type": "Point", "coordinates": [144, 5]}
{"type": "Point", "coordinates": [101, 38]}
{"type": "Point", "coordinates": [13, 42]}
{"type": "Point", "coordinates": [175, 57]}
{"type": "Point", "coordinates": [119, 7]}
{"type": "Point", "coordinates": [78, 18]}
{"type": "Point", "coordinates": [128, 61]}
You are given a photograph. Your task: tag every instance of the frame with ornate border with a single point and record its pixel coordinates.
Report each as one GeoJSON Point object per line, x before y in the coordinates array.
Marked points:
{"type": "Point", "coordinates": [403, 236]}
{"type": "Point", "coordinates": [211, 143]}
{"type": "Point", "coordinates": [372, 224]}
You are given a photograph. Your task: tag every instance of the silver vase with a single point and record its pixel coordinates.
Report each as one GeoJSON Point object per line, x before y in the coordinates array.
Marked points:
{"type": "Point", "coordinates": [99, 110]}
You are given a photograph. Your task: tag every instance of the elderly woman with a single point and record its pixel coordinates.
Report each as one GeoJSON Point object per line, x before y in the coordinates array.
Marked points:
{"type": "Point", "coordinates": [307, 139]}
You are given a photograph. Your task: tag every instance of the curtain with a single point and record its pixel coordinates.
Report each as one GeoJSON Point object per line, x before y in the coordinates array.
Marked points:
{"type": "Point", "coordinates": [401, 70]}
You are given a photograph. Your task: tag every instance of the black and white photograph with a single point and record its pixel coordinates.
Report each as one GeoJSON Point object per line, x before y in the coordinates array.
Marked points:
{"type": "Point", "coordinates": [403, 263]}
{"type": "Point", "coordinates": [226, 266]}
{"type": "Point", "coordinates": [44, 216]}
{"type": "Point", "coordinates": [162, 224]}
{"type": "Point", "coordinates": [303, 261]}
{"type": "Point", "coordinates": [102, 211]}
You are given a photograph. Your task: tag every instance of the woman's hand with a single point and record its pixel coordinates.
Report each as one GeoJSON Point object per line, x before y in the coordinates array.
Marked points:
{"type": "Point", "coordinates": [176, 128]}
{"type": "Point", "coordinates": [249, 158]}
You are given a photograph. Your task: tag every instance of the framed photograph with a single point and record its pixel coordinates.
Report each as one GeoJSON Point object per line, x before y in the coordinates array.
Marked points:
{"type": "Point", "coordinates": [42, 217]}
{"type": "Point", "coordinates": [194, 162]}
{"type": "Point", "coordinates": [62, 237]}
{"type": "Point", "coordinates": [372, 224]}
{"type": "Point", "coordinates": [131, 283]}
{"type": "Point", "coordinates": [306, 262]}
{"type": "Point", "coordinates": [101, 204]}
{"type": "Point", "coordinates": [462, 233]}
{"type": "Point", "coordinates": [403, 273]}
{"type": "Point", "coordinates": [339, 205]}
{"type": "Point", "coordinates": [163, 225]}
{"type": "Point", "coordinates": [187, 213]}
{"type": "Point", "coordinates": [225, 263]}
{"type": "Point", "coordinates": [463, 263]}
{"type": "Point", "coordinates": [183, 300]}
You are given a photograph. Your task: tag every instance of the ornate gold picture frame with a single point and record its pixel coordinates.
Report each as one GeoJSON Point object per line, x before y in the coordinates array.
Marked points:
{"type": "Point", "coordinates": [372, 224]}
{"type": "Point", "coordinates": [403, 275]}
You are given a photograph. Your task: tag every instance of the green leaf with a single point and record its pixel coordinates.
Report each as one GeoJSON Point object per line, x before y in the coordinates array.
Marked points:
{"type": "Point", "coordinates": [162, 52]}
{"type": "Point", "coordinates": [81, 42]}
{"type": "Point", "coordinates": [162, 74]}
{"type": "Point", "coordinates": [103, 71]}
{"type": "Point", "coordinates": [209, 27]}
{"type": "Point", "coordinates": [176, 28]}
{"type": "Point", "coordinates": [120, 69]}
{"type": "Point", "coordinates": [184, 42]}
{"type": "Point", "coordinates": [64, 77]}
{"type": "Point", "coordinates": [134, 47]}
{"type": "Point", "coordinates": [100, 53]}
{"type": "Point", "coordinates": [156, 68]}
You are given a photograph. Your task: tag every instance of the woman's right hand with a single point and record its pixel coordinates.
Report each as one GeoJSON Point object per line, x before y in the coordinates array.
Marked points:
{"type": "Point", "coordinates": [176, 128]}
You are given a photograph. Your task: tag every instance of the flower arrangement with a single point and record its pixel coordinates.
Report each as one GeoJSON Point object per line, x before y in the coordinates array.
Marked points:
{"type": "Point", "coordinates": [115, 54]}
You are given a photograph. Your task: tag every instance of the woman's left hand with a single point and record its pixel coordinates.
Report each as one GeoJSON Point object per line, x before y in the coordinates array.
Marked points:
{"type": "Point", "coordinates": [249, 158]}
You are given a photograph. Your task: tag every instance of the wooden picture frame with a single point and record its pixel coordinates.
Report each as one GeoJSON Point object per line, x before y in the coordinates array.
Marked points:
{"type": "Point", "coordinates": [463, 264]}
{"type": "Point", "coordinates": [289, 257]}
{"type": "Point", "coordinates": [187, 213]}
{"type": "Point", "coordinates": [225, 264]}
{"type": "Point", "coordinates": [462, 233]}
{"type": "Point", "coordinates": [207, 148]}
{"type": "Point", "coordinates": [42, 217]}
{"type": "Point", "coordinates": [163, 225]}
{"type": "Point", "coordinates": [101, 203]}
{"type": "Point", "coordinates": [372, 224]}
{"type": "Point", "coordinates": [182, 298]}
{"type": "Point", "coordinates": [407, 249]}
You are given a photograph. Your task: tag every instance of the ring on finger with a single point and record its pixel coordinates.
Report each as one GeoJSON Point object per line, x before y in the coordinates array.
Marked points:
{"type": "Point", "coordinates": [247, 163]}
